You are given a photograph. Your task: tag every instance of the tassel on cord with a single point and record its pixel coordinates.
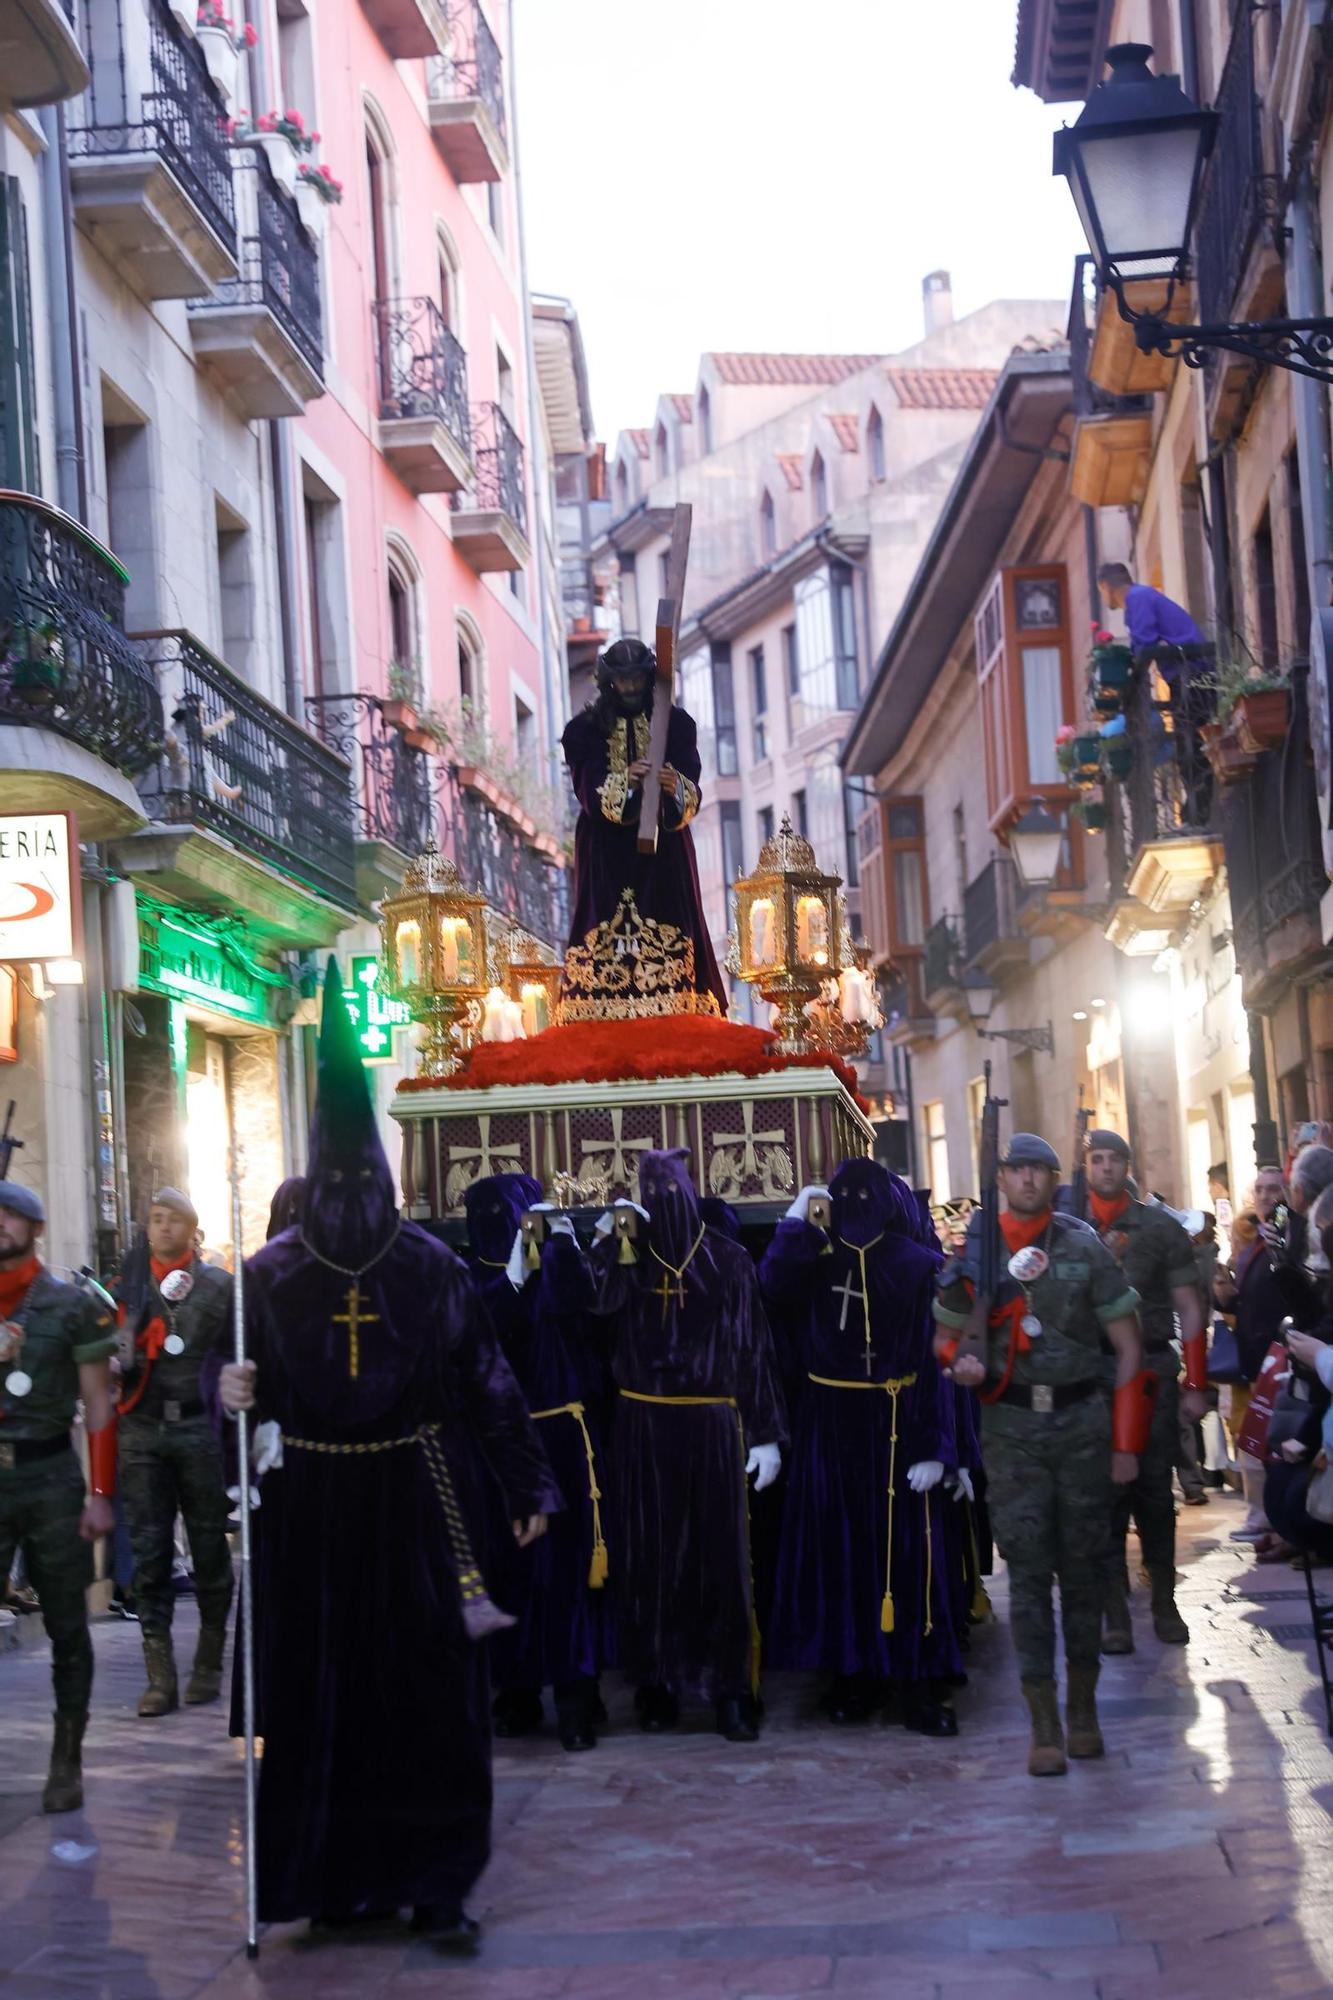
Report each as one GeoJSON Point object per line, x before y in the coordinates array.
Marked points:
{"type": "Point", "coordinates": [886, 1612]}
{"type": "Point", "coordinates": [599, 1567]}
{"type": "Point", "coordinates": [532, 1256]}
{"type": "Point", "coordinates": [627, 1255]}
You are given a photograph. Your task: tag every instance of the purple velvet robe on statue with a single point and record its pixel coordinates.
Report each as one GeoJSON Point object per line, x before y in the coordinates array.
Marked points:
{"type": "Point", "coordinates": [375, 1785]}
{"type": "Point", "coordinates": [833, 1567]}
{"type": "Point", "coordinates": [558, 1638]}
{"type": "Point", "coordinates": [680, 1558]}
{"type": "Point", "coordinates": [607, 860]}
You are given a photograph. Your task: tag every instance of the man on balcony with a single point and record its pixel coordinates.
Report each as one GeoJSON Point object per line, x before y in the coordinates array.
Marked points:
{"type": "Point", "coordinates": [606, 750]}
{"type": "Point", "coordinates": [1162, 633]}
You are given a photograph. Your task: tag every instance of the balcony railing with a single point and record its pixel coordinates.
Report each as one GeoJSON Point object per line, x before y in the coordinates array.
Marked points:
{"type": "Point", "coordinates": [242, 767]}
{"type": "Point", "coordinates": [180, 117]}
{"type": "Point", "coordinates": [474, 66]}
{"type": "Point", "coordinates": [279, 269]}
{"type": "Point", "coordinates": [393, 785]}
{"type": "Point", "coordinates": [1270, 831]}
{"type": "Point", "coordinates": [1238, 196]}
{"type": "Point", "coordinates": [941, 967]}
{"type": "Point", "coordinates": [490, 853]}
{"type": "Point", "coordinates": [422, 366]}
{"type": "Point", "coordinates": [497, 453]}
{"type": "Point", "coordinates": [1169, 790]}
{"type": "Point", "coordinates": [990, 909]}
{"type": "Point", "coordinates": [65, 662]}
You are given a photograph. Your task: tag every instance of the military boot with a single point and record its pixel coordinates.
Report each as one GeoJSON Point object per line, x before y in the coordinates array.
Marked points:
{"type": "Point", "coordinates": [1046, 1759]}
{"type": "Point", "coordinates": [1167, 1622]}
{"type": "Point", "coordinates": [64, 1782]}
{"type": "Point", "coordinates": [159, 1697]}
{"type": "Point", "coordinates": [1085, 1732]}
{"type": "Point", "coordinates": [205, 1682]}
{"type": "Point", "coordinates": [1117, 1630]}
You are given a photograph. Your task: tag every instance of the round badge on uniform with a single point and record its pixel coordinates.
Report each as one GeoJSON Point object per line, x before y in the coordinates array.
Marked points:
{"type": "Point", "coordinates": [174, 1344]}
{"type": "Point", "coordinates": [1028, 1265]}
{"type": "Point", "coordinates": [1031, 1326]}
{"type": "Point", "coordinates": [176, 1287]}
{"type": "Point", "coordinates": [18, 1382]}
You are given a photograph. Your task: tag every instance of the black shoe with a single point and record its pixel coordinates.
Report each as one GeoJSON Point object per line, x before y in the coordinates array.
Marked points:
{"type": "Point", "coordinates": [517, 1714]}
{"type": "Point", "coordinates": [121, 1607]}
{"type": "Point", "coordinates": [929, 1716]}
{"type": "Point", "coordinates": [576, 1709]}
{"type": "Point", "coordinates": [658, 1709]}
{"type": "Point", "coordinates": [849, 1700]}
{"type": "Point", "coordinates": [1196, 1497]}
{"type": "Point", "coordinates": [449, 1928]}
{"type": "Point", "coordinates": [736, 1720]}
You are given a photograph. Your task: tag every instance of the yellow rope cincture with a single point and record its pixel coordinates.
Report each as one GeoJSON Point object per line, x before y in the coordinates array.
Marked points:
{"type": "Point", "coordinates": [730, 1403]}
{"type": "Point", "coordinates": [892, 1389]}
{"type": "Point", "coordinates": [599, 1569]}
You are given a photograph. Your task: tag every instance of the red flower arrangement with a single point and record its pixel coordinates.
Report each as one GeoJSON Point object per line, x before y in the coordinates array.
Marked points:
{"type": "Point", "coordinates": [321, 180]}
{"type": "Point", "coordinates": [620, 1051]}
{"type": "Point", "coordinates": [211, 15]}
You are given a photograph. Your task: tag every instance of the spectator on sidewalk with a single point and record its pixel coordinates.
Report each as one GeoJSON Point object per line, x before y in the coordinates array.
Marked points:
{"type": "Point", "coordinates": [1248, 1289]}
{"type": "Point", "coordinates": [1302, 1430]}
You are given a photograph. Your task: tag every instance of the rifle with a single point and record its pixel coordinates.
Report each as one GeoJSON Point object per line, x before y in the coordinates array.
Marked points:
{"type": "Point", "coordinates": [975, 1339]}
{"type": "Point", "coordinates": [1078, 1180]}
{"type": "Point", "coordinates": [9, 1145]}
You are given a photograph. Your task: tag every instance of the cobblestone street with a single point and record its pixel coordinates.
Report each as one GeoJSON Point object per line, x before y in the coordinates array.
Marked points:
{"type": "Point", "coordinates": [1198, 1861]}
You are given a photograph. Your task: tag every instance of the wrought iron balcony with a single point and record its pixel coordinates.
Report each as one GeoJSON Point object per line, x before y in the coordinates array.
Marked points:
{"type": "Point", "coordinates": [993, 939]}
{"type": "Point", "coordinates": [261, 332]}
{"type": "Point", "coordinates": [1164, 843]}
{"type": "Point", "coordinates": [65, 662]}
{"type": "Point", "coordinates": [1239, 197]}
{"type": "Point", "coordinates": [393, 784]}
{"type": "Point", "coordinates": [425, 421]}
{"type": "Point", "coordinates": [491, 515]}
{"type": "Point", "coordinates": [244, 769]}
{"type": "Point", "coordinates": [150, 166]}
{"type": "Point", "coordinates": [40, 58]}
{"type": "Point", "coordinates": [467, 98]}
{"type": "Point", "coordinates": [942, 962]}
{"type": "Point", "coordinates": [514, 877]}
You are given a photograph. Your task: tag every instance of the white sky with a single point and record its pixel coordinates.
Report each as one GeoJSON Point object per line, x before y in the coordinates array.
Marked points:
{"type": "Point", "coordinates": [776, 174]}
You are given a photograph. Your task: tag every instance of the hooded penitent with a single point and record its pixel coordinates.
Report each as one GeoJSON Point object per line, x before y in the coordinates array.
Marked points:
{"type": "Point", "coordinates": [495, 1207]}
{"type": "Point", "coordinates": [862, 1588]}
{"type": "Point", "coordinates": [669, 1195]}
{"type": "Point", "coordinates": [351, 1210]}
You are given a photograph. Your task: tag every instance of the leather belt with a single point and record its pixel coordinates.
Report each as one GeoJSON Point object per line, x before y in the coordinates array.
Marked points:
{"type": "Point", "coordinates": [20, 1451]}
{"type": "Point", "coordinates": [168, 1412]}
{"type": "Point", "coordinates": [1046, 1397]}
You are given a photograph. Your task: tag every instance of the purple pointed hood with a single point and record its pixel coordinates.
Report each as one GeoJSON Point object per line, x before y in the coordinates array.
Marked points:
{"type": "Point", "coordinates": [494, 1208]}
{"type": "Point", "coordinates": [351, 1205]}
{"type": "Point", "coordinates": [869, 1201]}
{"type": "Point", "coordinates": [672, 1202]}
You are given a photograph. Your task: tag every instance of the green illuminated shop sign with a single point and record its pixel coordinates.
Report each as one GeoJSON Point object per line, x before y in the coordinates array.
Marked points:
{"type": "Point", "coordinates": [374, 1014]}
{"type": "Point", "coordinates": [201, 963]}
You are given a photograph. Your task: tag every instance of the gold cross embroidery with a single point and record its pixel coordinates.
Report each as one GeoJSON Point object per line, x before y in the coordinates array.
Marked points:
{"type": "Point", "coordinates": [666, 1291]}
{"type": "Point", "coordinates": [354, 1319]}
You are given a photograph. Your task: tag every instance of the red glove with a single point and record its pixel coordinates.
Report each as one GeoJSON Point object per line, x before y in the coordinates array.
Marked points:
{"type": "Point", "coordinates": [1196, 1361]}
{"type": "Point", "coordinates": [102, 1460]}
{"type": "Point", "coordinates": [1131, 1415]}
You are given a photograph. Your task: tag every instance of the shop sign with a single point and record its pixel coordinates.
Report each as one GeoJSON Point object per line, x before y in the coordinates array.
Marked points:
{"type": "Point", "coordinates": [40, 903]}
{"type": "Point", "coordinates": [183, 962]}
{"type": "Point", "coordinates": [374, 1014]}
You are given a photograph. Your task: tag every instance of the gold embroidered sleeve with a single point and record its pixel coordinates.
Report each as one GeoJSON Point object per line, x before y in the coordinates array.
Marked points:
{"type": "Point", "coordinates": [613, 793]}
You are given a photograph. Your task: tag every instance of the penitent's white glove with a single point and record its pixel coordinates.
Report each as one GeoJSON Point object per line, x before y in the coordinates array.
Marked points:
{"type": "Point", "coordinates": [607, 1221]}
{"type": "Point", "coordinates": [963, 1488]}
{"type": "Point", "coordinates": [514, 1269]}
{"type": "Point", "coordinates": [922, 1477]}
{"type": "Point", "coordinates": [765, 1462]}
{"type": "Point", "coordinates": [800, 1208]}
{"type": "Point", "coordinates": [266, 1448]}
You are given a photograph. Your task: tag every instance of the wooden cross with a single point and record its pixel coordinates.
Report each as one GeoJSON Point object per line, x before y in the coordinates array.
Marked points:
{"type": "Point", "coordinates": [668, 628]}
{"type": "Point", "coordinates": [666, 1291]}
{"type": "Point", "coordinates": [354, 1319]}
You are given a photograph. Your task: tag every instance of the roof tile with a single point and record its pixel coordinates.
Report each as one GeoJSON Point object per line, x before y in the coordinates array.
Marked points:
{"type": "Point", "coordinates": [790, 465]}
{"type": "Point", "coordinates": [942, 388]}
{"type": "Point", "coordinates": [642, 442]}
{"type": "Point", "coordinates": [684, 407]}
{"type": "Point", "coordinates": [816, 370]}
{"type": "Point", "coordinates": [846, 430]}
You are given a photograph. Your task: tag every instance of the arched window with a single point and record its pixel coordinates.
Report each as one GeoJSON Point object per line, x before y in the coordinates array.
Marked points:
{"type": "Point", "coordinates": [403, 603]}
{"type": "Point", "coordinates": [705, 422]}
{"type": "Point", "coordinates": [875, 443]}
{"type": "Point", "coordinates": [471, 669]}
{"type": "Point", "coordinates": [447, 260]}
{"type": "Point", "coordinates": [381, 195]}
{"type": "Point", "coordinates": [662, 451]}
{"type": "Point", "coordinates": [818, 487]}
{"type": "Point", "coordinates": [768, 525]}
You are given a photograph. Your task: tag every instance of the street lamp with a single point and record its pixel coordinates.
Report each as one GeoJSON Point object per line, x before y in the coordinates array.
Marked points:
{"type": "Point", "coordinates": [979, 993]}
{"type": "Point", "coordinates": [1134, 159]}
{"type": "Point", "coordinates": [1036, 841]}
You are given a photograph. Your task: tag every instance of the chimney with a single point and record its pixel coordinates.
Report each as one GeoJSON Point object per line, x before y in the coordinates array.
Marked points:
{"type": "Point", "coordinates": [937, 298]}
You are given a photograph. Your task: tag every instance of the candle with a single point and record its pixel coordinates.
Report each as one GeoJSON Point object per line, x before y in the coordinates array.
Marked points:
{"type": "Point", "coordinates": [456, 952]}
{"type": "Point", "coordinates": [502, 1019]}
{"type": "Point", "coordinates": [534, 1008]}
{"type": "Point", "coordinates": [812, 930]}
{"type": "Point", "coordinates": [762, 950]}
{"type": "Point", "coordinates": [857, 1001]}
{"type": "Point", "coordinates": [408, 942]}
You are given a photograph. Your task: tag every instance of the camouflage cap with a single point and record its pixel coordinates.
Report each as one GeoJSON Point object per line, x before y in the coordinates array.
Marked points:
{"type": "Point", "coordinates": [1029, 1149]}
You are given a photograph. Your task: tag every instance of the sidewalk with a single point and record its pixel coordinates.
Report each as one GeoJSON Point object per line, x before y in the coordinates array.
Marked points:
{"type": "Point", "coordinates": [1195, 1864]}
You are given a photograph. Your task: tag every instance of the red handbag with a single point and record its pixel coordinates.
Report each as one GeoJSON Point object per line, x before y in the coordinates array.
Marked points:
{"type": "Point", "coordinates": [1252, 1436]}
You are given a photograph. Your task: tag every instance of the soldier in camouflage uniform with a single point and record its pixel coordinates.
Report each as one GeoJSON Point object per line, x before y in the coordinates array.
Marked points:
{"type": "Point", "coordinates": [175, 1312]}
{"type": "Point", "coordinates": [55, 1347]}
{"type": "Point", "coordinates": [1051, 1445]}
{"type": "Point", "coordinates": [1158, 1260]}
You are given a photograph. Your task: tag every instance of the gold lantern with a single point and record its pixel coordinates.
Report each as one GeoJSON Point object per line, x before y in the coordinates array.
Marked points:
{"type": "Point", "coordinates": [530, 978]}
{"type": "Point", "coordinates": [789, 931]}
{"type": "Point", "coordinates": [433, 935]}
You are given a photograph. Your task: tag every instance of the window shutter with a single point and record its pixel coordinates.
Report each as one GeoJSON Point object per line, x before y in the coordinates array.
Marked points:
{"type": "Point", "coordinates": [18, 419]}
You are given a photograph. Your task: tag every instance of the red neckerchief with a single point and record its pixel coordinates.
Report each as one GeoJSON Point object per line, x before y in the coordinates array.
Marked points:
{"type": "Point", "coordinates": [1105, 1213]}
{"type": "Point", "coordinates": [149, 1340]}
{"type": "Point", "coordinates": [14, 1284]}
{"type": "Point", "coordinates": [1020, 1232]}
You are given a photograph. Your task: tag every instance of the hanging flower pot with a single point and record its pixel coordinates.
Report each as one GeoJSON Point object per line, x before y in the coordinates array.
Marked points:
{"type": "Point", "coordinates": [222, 57]}
{"type": "Point", "coordinates": [399, 714]}
{"type": "Point", "coordinates": [1115, 666]}
{"type": "Point", "coordinates": [418, 739]}
{"type": "Point", "coordinates": [1093, 816]}
{"type": "Point", "coordinates": [310, 205]}
{"type": "Point", "coordinates": [1119, 755]}
{"type": "Point", "coordinates": [281, 157]}
{"type": "Point", "coordinates": [1107, 701]}
{"type": "Point", "coordinates": [1261, 720]}
{"type": "Point", "coordinates": [1230, 760]}
{"type": "Point", "coordinates": [1087, 754]}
